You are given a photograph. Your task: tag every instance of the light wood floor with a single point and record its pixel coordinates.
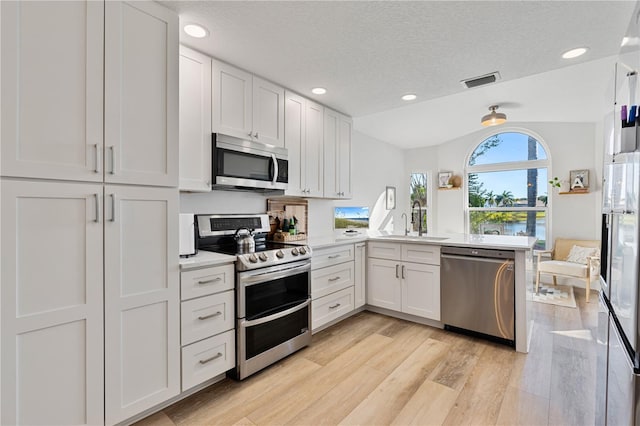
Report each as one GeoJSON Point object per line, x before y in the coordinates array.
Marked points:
{"type": "Point", "coordinates": [374, 370]}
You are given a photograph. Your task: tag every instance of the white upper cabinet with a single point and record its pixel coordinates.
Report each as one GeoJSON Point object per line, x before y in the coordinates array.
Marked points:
{"type": "Point", "coordinates": [232, 99]}
{"type": "Point", "coordinates": [142, 300]}
{"type": "Point", "coordinates": [195, 121]}
{"type": "Point", "coordinates": [52, 303]}
{"type": "Point", "coordinates": [51, 89]}
{"type": "Point", "coordinates": [337, 154]}
{"type": "Point", "coordinates": [268, 112]}
{"type": "Point", "coordinates": [141, 94]}
{"type": "Point", "coordinates": [246, 106]}
{"type": "Point", "coordinates": [54, 56]}
{"type": "Point", "coordinates": [303, 140]}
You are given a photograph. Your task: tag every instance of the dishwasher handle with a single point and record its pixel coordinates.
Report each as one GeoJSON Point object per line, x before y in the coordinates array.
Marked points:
{"type": "Point", "coordinates": [476, 259]}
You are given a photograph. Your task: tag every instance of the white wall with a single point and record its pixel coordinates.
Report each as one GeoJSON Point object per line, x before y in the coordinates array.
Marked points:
{"type": "Point", "coordinates": [571, 146]}
{"type": "Point", "coordinates": [375, 165]}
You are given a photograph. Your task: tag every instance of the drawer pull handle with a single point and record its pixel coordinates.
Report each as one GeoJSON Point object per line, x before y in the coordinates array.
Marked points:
{"type": "Point", "coordinates": [217, 314]}
{"type": "Point", "coordinates": [216, 356]}
{"type": "Point", "coordinates": [213, 280]}
{"type": "Point", "coordinates": [334, 306]}
{"type": "Point", "coordinates": [335, 256]}
{"type": "Point", "coordinates": [334, 278]}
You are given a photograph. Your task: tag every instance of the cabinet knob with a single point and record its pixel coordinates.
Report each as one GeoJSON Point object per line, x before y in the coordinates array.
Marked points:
{"type": "Point", "coordinates": [256, 135]}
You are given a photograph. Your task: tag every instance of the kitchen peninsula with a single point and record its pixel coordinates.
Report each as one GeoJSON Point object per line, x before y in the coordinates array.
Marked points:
{"type": "Point", "coordinates": [382, 245]}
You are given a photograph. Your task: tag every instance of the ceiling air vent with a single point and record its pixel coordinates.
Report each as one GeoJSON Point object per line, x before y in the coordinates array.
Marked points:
{"type": "Point", "coordinates": [481, 80]}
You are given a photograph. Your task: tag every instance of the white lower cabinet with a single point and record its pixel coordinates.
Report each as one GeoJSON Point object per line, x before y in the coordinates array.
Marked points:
{"type": "Point", "coordinates": [328, 308]}
{"type": "Point", "coordinates": [142, 296]}
{"type": "Point", "coordinates": [409, 287]}
{"type": "Point", "coordinates": [208, 323]}
{"type": "Point", "coordinates": [360, 274]}
{"type": "Point", "coordinates": [208, 358]}
{"type": "Point", "coordinates": [90, 300]}
{"type": "Point", "coordinates": [52, 303]}
{"type": "Point", "coordinates": [332, 284]}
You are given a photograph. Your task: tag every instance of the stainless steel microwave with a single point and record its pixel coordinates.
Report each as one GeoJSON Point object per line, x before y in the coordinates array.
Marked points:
{"type": "Point", "coordinates": [248, 166]}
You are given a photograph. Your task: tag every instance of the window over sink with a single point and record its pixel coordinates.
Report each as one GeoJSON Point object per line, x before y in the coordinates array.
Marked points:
{"type": "Point", "coordinates": [507, 187]}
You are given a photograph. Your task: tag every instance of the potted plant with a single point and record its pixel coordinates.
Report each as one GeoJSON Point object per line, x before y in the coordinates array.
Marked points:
{"type": "Point", "coordinates": [560, 185]}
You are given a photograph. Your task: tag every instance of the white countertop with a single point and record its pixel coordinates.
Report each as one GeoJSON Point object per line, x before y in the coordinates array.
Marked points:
{"type": "Point", "coordinates": [205, 258]}
{"type": "Point", "coordinates": [505, 242]}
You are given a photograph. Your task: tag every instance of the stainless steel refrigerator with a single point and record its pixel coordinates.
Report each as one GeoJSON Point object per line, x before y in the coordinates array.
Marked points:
{"type": "Point", "coordinates": [618, 352]}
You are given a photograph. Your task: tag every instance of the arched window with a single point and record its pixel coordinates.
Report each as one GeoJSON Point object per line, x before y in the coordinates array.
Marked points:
{"type": "Point", "coordinates": [507, 187]}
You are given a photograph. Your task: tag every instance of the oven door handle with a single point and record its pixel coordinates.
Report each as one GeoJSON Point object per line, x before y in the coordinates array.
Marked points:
{"type": "Point", "coordinates": [259, 321]}
{"type": "Point", "coordinates": [261, 277]}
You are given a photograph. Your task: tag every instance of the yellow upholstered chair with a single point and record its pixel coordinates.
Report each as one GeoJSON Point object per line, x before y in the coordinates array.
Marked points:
{"type": "Point", "coordinates": [571, 258]}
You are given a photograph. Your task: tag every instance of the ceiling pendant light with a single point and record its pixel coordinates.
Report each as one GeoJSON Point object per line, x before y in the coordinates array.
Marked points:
{"type": "Point", "coordinates": [493, 118]}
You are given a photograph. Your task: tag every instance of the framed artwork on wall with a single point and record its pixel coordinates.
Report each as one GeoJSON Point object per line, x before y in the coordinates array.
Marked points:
{"type": "Point", "coordinates": [391, 197]}
{"type": "Point", "coordinates": [579, 179]}
{"type": "Point", "coordinates": [443, 179]}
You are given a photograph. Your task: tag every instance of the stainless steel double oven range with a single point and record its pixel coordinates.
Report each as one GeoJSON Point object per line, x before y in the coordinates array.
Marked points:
{"type": "Point", "coordinates": [273, 289]}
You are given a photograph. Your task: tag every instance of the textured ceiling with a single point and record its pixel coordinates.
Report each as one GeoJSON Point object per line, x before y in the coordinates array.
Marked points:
{"type": "Point", "coordinates": [369, 53]}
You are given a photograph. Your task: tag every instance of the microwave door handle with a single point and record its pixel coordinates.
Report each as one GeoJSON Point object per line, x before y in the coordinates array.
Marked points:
{"type": "Point", "coordinates": [275, 169]}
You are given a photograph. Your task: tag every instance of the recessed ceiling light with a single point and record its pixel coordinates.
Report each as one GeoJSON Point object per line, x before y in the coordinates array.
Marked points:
{"type": "Point", "coordinates": [574, 53]}
{"type": "Point", "coordinates": [195, 30]}
{"type": "Point", "coordinates": [318, 90]}
{"type": "Point", "coordinates": [409, 97]}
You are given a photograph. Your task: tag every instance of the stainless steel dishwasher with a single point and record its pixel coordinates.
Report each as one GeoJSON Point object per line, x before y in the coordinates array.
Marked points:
{"type": "Point", "coordinates": [477, 292]}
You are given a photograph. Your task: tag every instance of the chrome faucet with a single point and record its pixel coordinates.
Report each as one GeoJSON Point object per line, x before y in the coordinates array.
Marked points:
{"type": "Point", "coordinates": [419, 216]}
{"type": "Point", "coordinates": [406, 230]}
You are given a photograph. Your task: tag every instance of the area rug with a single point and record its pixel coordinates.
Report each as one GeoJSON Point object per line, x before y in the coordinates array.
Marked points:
{"type": "Point", "coordinates": [561, 295]}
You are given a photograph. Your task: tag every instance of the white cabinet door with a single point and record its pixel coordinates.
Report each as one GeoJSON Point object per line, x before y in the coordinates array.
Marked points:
{"type": "Point", "coordinates": [52, 304]}
{"type": "Point", "coordinates": [421, 290]}
{"type": "Point", "coordinates": [343, 158]}
{"type": "Point", "coordinates": [313, 151]}
{"type": "Point", "coordinates": [51, 89]}
{"type": "Point", "coordinates": [141, 94]}
{"type": "Point", "coordinates": [232, 101]}
{"type": "Point", "coordinates": [195, 121]}
{"type": "Point", "coordinates": [294, 140]}
{"type": "Point", "coordinates": [360, 274]}
{"type": "Point", "coordinates": [142, 321]}
{"type": "Point", "coordinates": [304, 141]}
{"type": "Point", "coordinates": [383, 285]}
{"type": "Point", "coordinates": [337, 154]}
{"type": "Point", "coordinates": [268, 112]}
{"type": "Point", "coordinates": [331, 129]}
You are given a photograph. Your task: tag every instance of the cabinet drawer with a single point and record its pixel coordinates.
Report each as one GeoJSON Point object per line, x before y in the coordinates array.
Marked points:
{"type": "Point", "coordinates": [206, 316]}
{"type": "Point", "coordinates": [421, 253]}
{"type": "Point", "coordinates": [329, 256]}
{"type": "Point", "coordinates": [202, 282]}
{"type": "Point", "coordinates": [328, 308]}
{"type": "Point", "coordinates": [208, 358]}
{"type": "Point", "coordinates": [380, 250]}
{"type": "Point", "coordinates": [331, 279]}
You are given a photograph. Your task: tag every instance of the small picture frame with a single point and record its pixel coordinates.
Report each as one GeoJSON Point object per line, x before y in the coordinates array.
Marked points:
{"type": "Point", "coordinates": [390, 197]}
{"type": "Point", "coordinates": [579, 179]}
{"type": "Point", "coordinates": [443, 179]}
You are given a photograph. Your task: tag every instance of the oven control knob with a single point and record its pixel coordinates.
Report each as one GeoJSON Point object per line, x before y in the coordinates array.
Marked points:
{"type": "Point", "coordinates": [302, 250]}
{"type": "Point", "coordinates": [294, 251]}
{"type": "Point", "coordinates": [263, 257]}
{"type": "Point", "coordinates": [279, 254]}
{"type": "Point", "coordinates": [253, 258]}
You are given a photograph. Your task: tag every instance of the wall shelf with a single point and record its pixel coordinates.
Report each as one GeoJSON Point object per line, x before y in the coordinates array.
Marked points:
{"type": "Point", "coordinates": [573, 192]}
{"type": "Point", "coordinates": [449, 189]}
